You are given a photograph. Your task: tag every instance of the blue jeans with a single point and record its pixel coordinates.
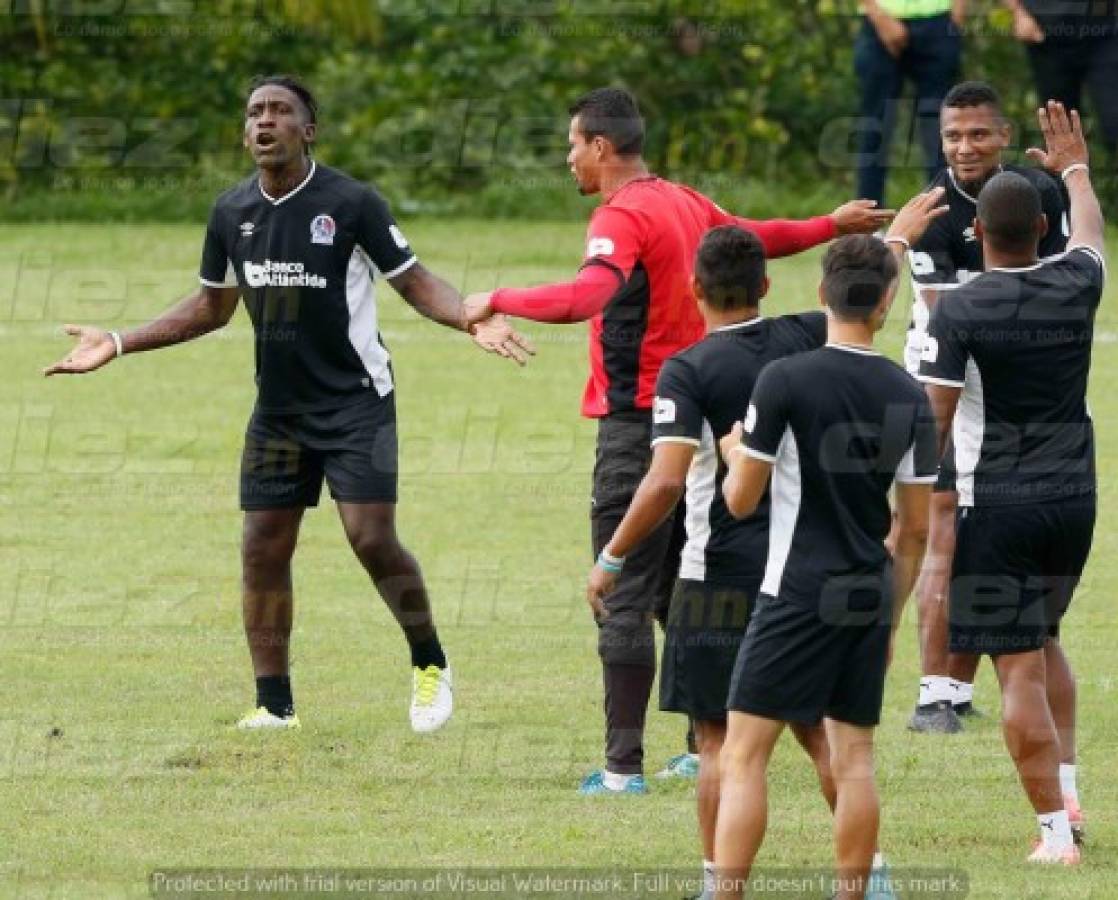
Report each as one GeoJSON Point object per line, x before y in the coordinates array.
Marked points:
{"type": "Point", "coordinates": [931, 62]}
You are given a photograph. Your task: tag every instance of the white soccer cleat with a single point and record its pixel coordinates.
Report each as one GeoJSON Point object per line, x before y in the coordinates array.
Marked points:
{"type": "Point", "coordinates": [260, 718]}
{"type": "Point", "coordinates": [1069, 856]}
{"type": "Point", "coordinates": [432, 698]}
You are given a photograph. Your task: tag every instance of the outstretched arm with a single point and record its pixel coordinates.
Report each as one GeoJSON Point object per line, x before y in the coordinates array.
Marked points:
{"type": "Point", "coordinates": [436, 300]}
{"type": "Point", "coordinates": [1065, 156]}
{"type": "Point", "coordinates": [206, 310]}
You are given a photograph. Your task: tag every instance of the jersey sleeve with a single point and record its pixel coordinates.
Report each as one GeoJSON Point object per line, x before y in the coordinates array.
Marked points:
{"type": "Point", "coordinates": [216, 270]}
{"type": "Point", "coordinates": [1055, 206]}
{"type": "Point", "coordinates": [944, 357]}
{"type": "Point", "coordinates": [1089, 266]}
{"type": "Point", "coordinates": [813, 325]}
{"type": "Point", "coordinates": [932, 259]}
{"type": "Point", "coordinates": [919, 464]}
{"type": "Point", "coordinates": [767, 416]}
{"type": "Point", "coordinates": [615, 239]}
{"type": "Point", "coordinates": [381, 238]}
{"type": "Point", "coordinates": [677, 415]}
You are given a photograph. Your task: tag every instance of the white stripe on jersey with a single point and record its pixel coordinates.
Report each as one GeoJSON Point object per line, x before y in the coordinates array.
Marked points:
{"type": "Point", "coordinates": [700, 495]}
{"type": "Point", "coordinates": [360, 297]}
{"type": "Point", "coordinates": [785, 499]}
{"type": "Point", "coordinates": [967, 432]}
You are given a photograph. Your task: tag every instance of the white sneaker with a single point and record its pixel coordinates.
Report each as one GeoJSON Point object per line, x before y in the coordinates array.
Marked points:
{"type": "Point", "coordinates": [261, 718]}
{"type": "Point", "coordinates": [432, 698]}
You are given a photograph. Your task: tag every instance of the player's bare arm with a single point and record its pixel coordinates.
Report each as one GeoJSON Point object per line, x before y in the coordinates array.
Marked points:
{"type": "Point", "coordinates": [861, 217]}
{"type": "Point", "coordinates": [1065, 156]}
{"type": "Point", "coordinates": [658, 494]}
{"type": "Point", "coordinates": [913, 220]}
{"type": "Point", "coordinates": [206, 310]}
{"type": "Point", "coordinates": [944, 400]}
{"type": "Point", "coordinates": [436, 300]}
{"type": "Point", "coordinates": [1025, 28]}
{"type": "Point", "coordinates": [746, 476]}
{"type": "Point", "coordinates": [912, 538]}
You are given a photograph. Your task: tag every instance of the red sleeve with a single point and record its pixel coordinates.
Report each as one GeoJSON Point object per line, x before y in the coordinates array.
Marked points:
{"type": "Point", "coordinates": [571, 301]}
{"type": "Point", "coordinates": [614, 243]}
{"type": "Point", "coordinates": [780, 237]}
{"type": "Point", "coordinates": [783, 237]}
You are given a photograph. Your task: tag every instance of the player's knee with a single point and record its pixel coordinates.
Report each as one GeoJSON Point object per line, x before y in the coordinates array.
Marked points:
{"type": "Point", "coordinates": [262, 549]}
{"type": "Point", "coordinates": [378, 548]}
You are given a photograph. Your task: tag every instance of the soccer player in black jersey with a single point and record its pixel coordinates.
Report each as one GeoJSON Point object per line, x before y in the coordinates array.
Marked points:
{"type": "Point", "coordinates": [1006, 363]}
{"type": "Point", "coordinates": [303, 245]}
{"type": "Point", "coordinates": [835, 429]}
{"type": "Point", "coordinates": [975, 135]}
{"type": "Point", "coordinates": [700, 393]}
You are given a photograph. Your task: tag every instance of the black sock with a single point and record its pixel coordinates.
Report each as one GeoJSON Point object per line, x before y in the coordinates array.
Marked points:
{"type": "Point", "coordinates": [428, 653]}
{"type": "Point", "coordinates": [273, 692]}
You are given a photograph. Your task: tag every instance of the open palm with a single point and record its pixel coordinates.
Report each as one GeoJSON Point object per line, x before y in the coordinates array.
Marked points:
{"type": "Point", "coordinates": [95, 347]}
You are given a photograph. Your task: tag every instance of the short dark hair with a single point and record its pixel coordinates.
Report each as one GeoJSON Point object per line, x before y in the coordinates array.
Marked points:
{"type": "Point", "coordinates": [293, 84]}
{"type": "Point", "coordinates": [857, 271]}
{"type": "Point", "coordinates": [611, 113]}
{"type": "Point", "coordinates": [730, 267]}
{"type": "Point", "coordinates": [1008, 208]}
{"type": "Point", "coordinates": [969, 94]}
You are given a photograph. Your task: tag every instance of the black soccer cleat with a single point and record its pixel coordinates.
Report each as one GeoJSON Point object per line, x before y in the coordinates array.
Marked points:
{"type": "Point", "coordinates": [935, 718]}
{"type": "Point", "coordinates": [966, 709]}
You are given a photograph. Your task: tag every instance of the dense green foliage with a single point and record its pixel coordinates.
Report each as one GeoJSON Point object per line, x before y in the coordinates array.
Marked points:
{"type": "Point", "coordinates": [128, 108]}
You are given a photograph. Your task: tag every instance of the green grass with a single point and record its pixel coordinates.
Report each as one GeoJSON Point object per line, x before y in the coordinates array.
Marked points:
{"type": "Point", "coordinates": [122, 664]}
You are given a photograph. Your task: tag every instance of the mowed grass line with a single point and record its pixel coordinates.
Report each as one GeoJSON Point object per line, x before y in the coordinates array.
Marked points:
{"type": "Point", "coordinates": [122, 665]}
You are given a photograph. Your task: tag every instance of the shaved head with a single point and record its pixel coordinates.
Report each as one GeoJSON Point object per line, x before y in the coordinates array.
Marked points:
{"type": "Point", "coordinates": [1010, 213]}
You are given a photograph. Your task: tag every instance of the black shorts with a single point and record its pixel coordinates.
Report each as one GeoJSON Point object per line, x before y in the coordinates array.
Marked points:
{"type": "Point", "coordinates": [797, 666]}
{"type": "Point", "coordinates": [705, 627]}
{"type": "Point", "coordinates": [1014, 573]}
{"type": "Point", "coordinates": [286, 456]}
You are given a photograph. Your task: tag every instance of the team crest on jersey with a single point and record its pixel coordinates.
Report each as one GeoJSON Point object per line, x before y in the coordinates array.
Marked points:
{"type": "Point", "coordinates": [247, 228]}
{"type": "Point", "coordinates": [323, 230]}
{"type": "Point", "coordinates": [599, 246]}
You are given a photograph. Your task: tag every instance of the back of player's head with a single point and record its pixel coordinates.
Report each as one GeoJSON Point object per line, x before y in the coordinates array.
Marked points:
{"type": "Point", "coordinates": [1009, 210]}
{"type": "Point", "coordinates": [858, 271]}
{"type": "Point", "coordinates": [293, 84]}
{"type": "Point", "coordinates": [969, 94]}
{"type": "Point", "coordinates": [730, 268]}
{"type": "Point", "coordinates": [611, 113]}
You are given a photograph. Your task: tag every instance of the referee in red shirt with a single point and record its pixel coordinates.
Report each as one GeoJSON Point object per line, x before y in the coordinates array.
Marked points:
{"type": "Point", "coordinates": [634, 287]}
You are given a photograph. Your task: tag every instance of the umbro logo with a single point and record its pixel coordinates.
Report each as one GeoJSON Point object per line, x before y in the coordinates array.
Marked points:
{"type": "Point", "coordinates": [247, 229]}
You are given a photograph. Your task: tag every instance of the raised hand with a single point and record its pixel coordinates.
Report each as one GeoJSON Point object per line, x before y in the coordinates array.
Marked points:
{"type": "Point", "coordinates": [95, 347]}
{"type": "Point", "coordinates": [1025, 27]}
{"type": "Point", "coordinates": [916, 215]}
{"type": "Point", "coordinates": [495, 335]}
{"type": "Point", "coordinates": [1063, 138]}
{"type": "Point", "coordinates": [861, 217]}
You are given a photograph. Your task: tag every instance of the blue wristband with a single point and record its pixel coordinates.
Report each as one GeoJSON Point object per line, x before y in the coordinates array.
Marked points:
{"type": "Point", "coordinates": [613, 565]}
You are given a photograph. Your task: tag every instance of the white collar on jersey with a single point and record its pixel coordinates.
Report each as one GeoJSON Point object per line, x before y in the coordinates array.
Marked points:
{"type": "Point", "coordinates": [746, 324]}
{"type": "Point", "coordinates": [955, 184]}
{"type": "Point", "coordinates": [291, 193]}
{"type": "Point", "coordinates": [850, 348]}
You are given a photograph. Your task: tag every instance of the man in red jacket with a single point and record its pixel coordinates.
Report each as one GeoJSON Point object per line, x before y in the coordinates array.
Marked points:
{"type": "Point", "coordinates": [634, 288]}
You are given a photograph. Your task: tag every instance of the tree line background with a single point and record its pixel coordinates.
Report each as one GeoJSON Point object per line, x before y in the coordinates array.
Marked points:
{"type": "Point", "coordinates": [131, 109]}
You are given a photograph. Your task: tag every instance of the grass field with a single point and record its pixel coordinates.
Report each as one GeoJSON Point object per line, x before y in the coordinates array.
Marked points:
{"type": "Point", "coordinates": [122, 664]}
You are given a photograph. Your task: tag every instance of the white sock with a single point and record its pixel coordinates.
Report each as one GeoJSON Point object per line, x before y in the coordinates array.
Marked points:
{"type": "Point", "coordinates": [934, 688]}
{"type": "Point", "coordinates": [878, 860]}
{"type": "Point", "coordinates": [710, 883]}
{"type": "Point", "coordinates": [1055, 831]}
{"type": "Point", "coordinates": [615, 782]}
{"type": "Point", "coordinates": [1067, 782]}
{"type": "Point", "coordinates": [961, 692]}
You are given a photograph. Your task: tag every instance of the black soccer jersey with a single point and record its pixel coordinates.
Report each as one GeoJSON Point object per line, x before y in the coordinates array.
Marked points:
{"type": "Point", "coordinates": [305, 265]}
{"type": "Point", "coordinates": [839, 425]}
{"type": "Point", "coordinates": [949, 254]}
{"type": "Point", "coordinates": [1018, 343]}
{"type": "Point", "coordinates": [700, 393]}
